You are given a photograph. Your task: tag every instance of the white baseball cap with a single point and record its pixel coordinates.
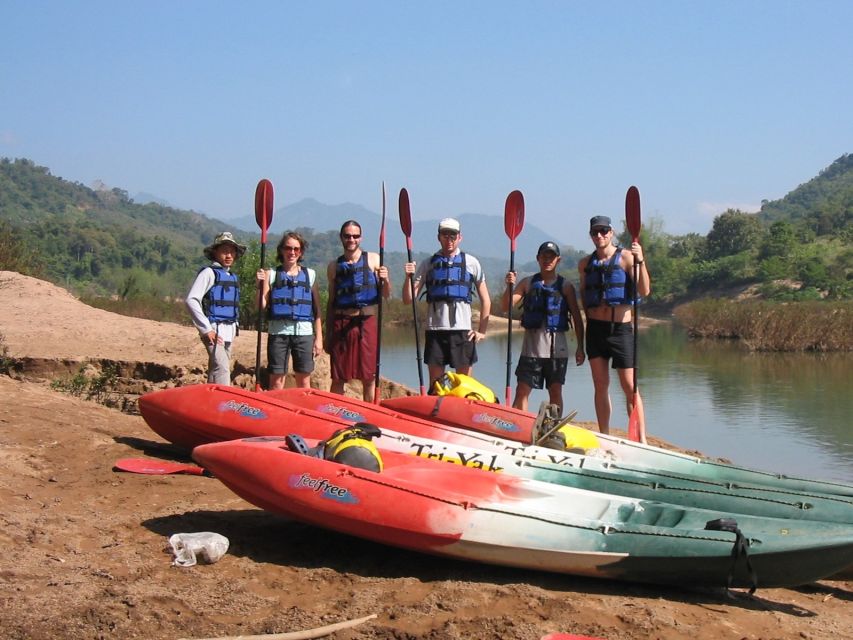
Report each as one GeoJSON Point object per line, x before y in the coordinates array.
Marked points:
{"type": "Point", "coordinates": [449, 224]}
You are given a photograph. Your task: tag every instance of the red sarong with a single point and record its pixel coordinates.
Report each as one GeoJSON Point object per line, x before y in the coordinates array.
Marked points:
{"type": "Point", "coordinates": [353, 347]}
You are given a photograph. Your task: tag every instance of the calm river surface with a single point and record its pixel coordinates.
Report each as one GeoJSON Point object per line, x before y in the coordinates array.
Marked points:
{"type": "Point", "coordinates": [779, 412]}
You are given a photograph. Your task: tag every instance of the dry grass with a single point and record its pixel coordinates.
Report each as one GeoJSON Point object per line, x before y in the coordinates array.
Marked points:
{"type": "Point", "coordinates": [769, 326]}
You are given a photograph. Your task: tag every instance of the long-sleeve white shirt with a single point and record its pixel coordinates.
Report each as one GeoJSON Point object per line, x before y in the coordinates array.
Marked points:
{"type": "Point", "coordinates": [201, 285]}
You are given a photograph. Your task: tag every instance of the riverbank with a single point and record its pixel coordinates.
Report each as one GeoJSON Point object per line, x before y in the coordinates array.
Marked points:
{"type": "Point", "coordinates": [86, 554]}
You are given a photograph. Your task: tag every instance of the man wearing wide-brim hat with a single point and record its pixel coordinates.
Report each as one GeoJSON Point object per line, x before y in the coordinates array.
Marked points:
{"type": "Point", "coordinates": [214, 305]}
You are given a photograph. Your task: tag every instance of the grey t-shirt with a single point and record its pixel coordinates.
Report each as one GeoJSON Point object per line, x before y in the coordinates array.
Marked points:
{"type": "Point", "coordinates": [537, 343]}
{"type": "Point", "coordinates": [443, 316]}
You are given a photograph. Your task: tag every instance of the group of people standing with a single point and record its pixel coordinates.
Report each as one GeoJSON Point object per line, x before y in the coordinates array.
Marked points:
{"type": "Point", "coordinates": [449, 280]}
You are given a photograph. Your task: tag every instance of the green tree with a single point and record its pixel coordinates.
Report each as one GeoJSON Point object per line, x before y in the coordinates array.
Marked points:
{"type": "Point", "coordinates": [732, 232]}
{"type": "Point", "coordinates": [779, 241]}
{"type": "Point", "coordinates": [17, 255]}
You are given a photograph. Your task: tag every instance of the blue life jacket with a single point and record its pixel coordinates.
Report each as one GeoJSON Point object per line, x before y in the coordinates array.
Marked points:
{"type": "Point", "coordinates": [545, 306]}
{"type": "Point", "coordinates": [448, 279]}
{"type": "Point", "coordinates": [356, 285]}
{"type": "Point", "coordinates": [291, 297]}
{"type": "Point", "coordinates": [221, 303]}
{"type": "Point", "coordinates": [606, 282]}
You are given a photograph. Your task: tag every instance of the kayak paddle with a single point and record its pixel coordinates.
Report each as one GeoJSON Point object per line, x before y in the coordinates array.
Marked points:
{"type": "Point", "coordinates": [513, 223]}
{"type": "Point", "coordinates": [632, 221]}
{"type": "Point", "coordinates": [263, 216]}
{"type": "Point", "coordinates": [406, 227]}
{"type": "Point", "coordinates": [381, 290]}
{"type": "Point", "coordinates": [150, 466]}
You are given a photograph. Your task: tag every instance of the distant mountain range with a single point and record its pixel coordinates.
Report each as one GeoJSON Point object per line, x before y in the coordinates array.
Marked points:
{"type": "Point", "coordinates": [483, 235]}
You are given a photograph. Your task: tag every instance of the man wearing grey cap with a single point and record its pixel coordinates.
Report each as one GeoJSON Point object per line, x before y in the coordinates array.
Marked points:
{"type": "Point", "coordinates": [550, 307]}
{"type": "Point", "coordinates": [449, 279]}
{"type": "Point", "coordinates": [607, 296]}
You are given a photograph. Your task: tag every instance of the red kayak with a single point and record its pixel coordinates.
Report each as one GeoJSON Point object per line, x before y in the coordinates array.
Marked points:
{"type": "Point", "coordinates": [487, 417]}
{"type": "Point", "coordinates": [203, 413]}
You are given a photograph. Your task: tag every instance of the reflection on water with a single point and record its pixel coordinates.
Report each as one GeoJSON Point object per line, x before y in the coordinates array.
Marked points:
{"type": "Point", "coordinates": [788, 413]}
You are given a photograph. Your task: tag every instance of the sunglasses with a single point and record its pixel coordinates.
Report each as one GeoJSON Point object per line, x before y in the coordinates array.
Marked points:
{"type": "Point", "coordinates": [350, 236]}
{"type": "Point", "coordinates": [295, 249]}
{"type": "Point", "coordinates": [599, 231]}
{"type": "Point", "coordinates": [449, 234]}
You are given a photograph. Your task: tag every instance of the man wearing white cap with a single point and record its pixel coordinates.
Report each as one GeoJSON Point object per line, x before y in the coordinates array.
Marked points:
{"type": "Point", "coordinates": [214, 305]}
{"type": "Point", "coordinates": [449, 279]}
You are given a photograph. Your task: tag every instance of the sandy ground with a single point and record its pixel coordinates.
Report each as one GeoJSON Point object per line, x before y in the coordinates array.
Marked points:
{"type": "Point", "coordinates": [86, 552]}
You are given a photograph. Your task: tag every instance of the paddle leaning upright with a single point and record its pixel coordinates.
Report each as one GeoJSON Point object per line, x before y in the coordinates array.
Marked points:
{"type": "Point", "coordinates": [607, 289]}
{"type": "Point", "coordinates": [634, 224]}
{"type": "Point", "coordinates": [376, 391]}
{"type": "Point", "coordinates": [513, 224]}
{"type": "Point", "coordinates": [406, 227]}
{"type": "Point", "coordinates": [263, 216]}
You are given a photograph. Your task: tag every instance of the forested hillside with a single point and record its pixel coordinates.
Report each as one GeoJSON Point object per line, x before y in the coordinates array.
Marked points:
{"type": "Point", "coordinates": [823, 206]}
{"type": "Point", "coordinates": [98, 240]}
{"type": "Point", "coordinates": [796, 248]}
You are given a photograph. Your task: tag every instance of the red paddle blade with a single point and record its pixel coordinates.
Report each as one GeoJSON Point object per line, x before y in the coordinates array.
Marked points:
{"type": "Point", "coordinates": [149, 466]}
{"type": "Point", "coordinates": [632, 213]}
{"type": "Point", "coordinates": [634, 425]}
{"type": "Point", "coordinates": [514, 214]}
{"type": "Point", "coordinates": [405, 214]}
{"type": "Point", "coordinates": [263, 206]}
{"type": "Point", "coordinates": [382, 228]}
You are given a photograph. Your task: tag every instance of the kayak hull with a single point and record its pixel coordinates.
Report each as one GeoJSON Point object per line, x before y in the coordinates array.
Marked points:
{"type": "Point", "coordinates": [461, 513]}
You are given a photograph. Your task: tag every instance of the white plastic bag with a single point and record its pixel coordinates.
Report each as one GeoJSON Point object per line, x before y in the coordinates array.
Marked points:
{"type": "Point", "coordinates": [209, 546]}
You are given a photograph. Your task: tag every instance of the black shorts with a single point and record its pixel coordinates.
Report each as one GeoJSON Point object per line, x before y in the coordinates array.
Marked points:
{"type": "Point", "coordinates": [611, 340]}
{"type": "Point", "coordinates": [449, 348]}
{"type": "Point", "coordinates": [537, 373]}
{"type": "Point", "coordinates": [300, 347]}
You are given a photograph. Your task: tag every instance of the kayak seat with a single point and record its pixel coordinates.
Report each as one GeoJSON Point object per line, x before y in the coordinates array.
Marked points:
{"type": "Point", "coordinates": [650, 513]}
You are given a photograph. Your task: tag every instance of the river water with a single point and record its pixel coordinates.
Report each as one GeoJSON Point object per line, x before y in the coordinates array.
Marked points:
{"type": "Point", "coordinates": [788, 413]}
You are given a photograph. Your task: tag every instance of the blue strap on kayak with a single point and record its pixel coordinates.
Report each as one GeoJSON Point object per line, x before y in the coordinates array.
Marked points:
{"type": "Point", "coordinates": [297, 444]}
{"type": "Point", "coordinates": [740, 548]}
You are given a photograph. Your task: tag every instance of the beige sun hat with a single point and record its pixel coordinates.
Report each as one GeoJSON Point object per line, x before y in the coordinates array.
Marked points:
{"type": "Point", "coordinates": [226, 237]}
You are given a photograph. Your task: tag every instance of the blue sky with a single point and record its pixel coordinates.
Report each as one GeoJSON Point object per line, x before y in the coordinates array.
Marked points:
{"type": "Point", "coordinates": [702, 105]}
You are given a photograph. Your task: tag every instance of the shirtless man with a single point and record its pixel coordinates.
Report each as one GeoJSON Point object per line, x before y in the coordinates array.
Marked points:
{"type": "Point", "coordinates": [607, 296]}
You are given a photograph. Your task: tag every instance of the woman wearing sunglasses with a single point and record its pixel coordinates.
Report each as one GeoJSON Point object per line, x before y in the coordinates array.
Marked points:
{"type": "Point", "coordinates": [290, 294]}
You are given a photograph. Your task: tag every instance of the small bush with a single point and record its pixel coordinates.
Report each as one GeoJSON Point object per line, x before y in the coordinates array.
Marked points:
{"type": "Point", "coordinates": [6, 361]}
{"type": "Point", "coordinates": [97, 387]}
